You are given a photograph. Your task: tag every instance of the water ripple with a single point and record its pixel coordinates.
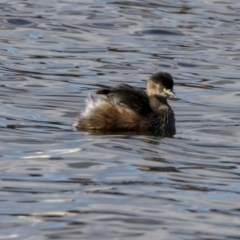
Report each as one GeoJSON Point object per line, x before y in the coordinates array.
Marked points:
{"type": "Point", "coordinates": [71, 185]}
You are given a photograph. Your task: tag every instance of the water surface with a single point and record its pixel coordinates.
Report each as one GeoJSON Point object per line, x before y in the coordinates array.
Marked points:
{"type": "Point", "coordinates": [56, 183]}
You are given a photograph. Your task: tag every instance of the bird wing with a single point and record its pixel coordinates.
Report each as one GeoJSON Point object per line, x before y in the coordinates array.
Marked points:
{"type": "Point", "coordinates": [127, 96]}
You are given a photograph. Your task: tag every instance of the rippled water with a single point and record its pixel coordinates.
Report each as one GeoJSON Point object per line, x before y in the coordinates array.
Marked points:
{"type": "Point", "coordinates": [60, 184]}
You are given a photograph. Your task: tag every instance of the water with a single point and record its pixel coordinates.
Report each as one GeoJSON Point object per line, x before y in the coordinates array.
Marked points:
{"type": "Point", "coordinates": [56, 183]}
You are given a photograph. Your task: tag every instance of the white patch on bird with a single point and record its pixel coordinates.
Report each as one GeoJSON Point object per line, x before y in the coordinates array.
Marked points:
{"type": "Point", "coordinates": [91, 105]}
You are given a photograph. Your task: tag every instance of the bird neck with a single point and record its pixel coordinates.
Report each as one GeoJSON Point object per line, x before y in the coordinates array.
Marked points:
{"type": "Point", "coordinates": [158, 103]}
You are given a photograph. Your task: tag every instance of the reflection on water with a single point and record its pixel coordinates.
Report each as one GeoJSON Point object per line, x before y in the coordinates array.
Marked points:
{"type": "Point", "coordinates": [60, 184]}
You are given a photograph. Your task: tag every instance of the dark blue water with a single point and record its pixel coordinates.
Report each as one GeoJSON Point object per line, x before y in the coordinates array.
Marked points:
{"type": "Point", "coordinates": [56, 183]}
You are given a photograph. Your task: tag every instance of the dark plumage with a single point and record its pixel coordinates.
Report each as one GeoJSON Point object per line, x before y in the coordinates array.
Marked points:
{"type": "Point", "coordinates": [126, 108]}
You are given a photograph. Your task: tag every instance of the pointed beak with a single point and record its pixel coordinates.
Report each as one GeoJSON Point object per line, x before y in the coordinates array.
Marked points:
{"type": "Point", "coordinates": [169, 92]}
